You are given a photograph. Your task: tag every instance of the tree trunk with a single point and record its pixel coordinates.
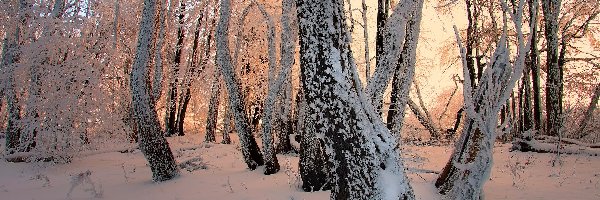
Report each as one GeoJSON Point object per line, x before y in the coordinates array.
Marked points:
{"type": "Point", "coordinates": [554, 84]}
{"type": "Point", "coordinates": [340, 112]}
{"type": "Point", "coordinates": [185, 96]}
{"type": "Point", "coordinates": [250, 151]}
{"type": "Point", "coordinates": [423, 119]}
{"type": "Point", "coordinates": [366, 40]}
{"type": "Point", "coordinates": [469, 165]}
{"type": "Point", "coordinates": [226, 125]}
{"type": "Point", "coordinates": [589, 113]}
{"type": "Point", "coordinates": [213, 111]}
{"type": "Point", "coordinates": [158, 64]}
{"type": "Point", "coordinates": [383, 8]}
{"type": "Point", "coordinates": [394, 33]}
{"type": "Point", "coordinates": [535, 66]}
{"type": "Point", "coordinates": [314, 169]}
{"type": "Point", "coordinates": [10, 55]}
{"type": "Point", "coordinates": [151, 139]}
{"type": "Point", "coordinates": [171, 127]}
{"type": "Point", "coordinates": [405, 69]}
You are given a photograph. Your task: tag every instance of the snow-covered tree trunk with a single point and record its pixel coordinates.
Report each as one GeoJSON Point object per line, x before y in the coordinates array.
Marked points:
{"type": "Point", "coordinates": [470, 164]}
{"type": "Point", "coordinates": [250, 151]}
{"type": "Point", "coordinates": [314, 169]}
{"type": "Point", "coordinates": [213, 111]}
{"type": "Point", "coordinates": [171, 111]}
{"type": "Point", "coordinates": [393, 38]}
{"type": "Point", "coordinates": [151, 139]}
{"type": "Point", "coordinates": [275, 83]}
{"type": "Point", "coordinates": [284, 125]}
{"type": "Point", "coordinates": [10, 51]}
{"type": "Point", "coordinates": [365, 163]}
{"type": "Point", "coordinates": [554, 82]}
{"type": "Point", "coordinates": [35, 86]}
{"type": "Point", "coordinates": [226, 125]}
{"type": "Point", "coordinates": [383, 8]}
{"type": "Point", "coordinates": [158, 61]}
{"type": "Point", "coordinates": [405, 69]}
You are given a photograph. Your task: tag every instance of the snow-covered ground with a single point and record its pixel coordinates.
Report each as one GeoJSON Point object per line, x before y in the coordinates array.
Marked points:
{"type": "Point", "coordinates": [116, 175]}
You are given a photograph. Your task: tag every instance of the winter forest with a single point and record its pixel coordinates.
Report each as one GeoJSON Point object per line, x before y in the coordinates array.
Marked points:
{"type": "Point", "coordinates": [299, 99]}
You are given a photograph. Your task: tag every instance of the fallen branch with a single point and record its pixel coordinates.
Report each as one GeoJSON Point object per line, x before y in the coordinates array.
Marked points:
{"type": "Point", "coordinates": [544, 147]}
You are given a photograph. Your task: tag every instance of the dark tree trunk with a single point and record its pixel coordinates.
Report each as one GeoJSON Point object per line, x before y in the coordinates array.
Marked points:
{"type": "Point", "coordinates": [383, 7]}
{"type": "Point", "coordinates": [151, 139]}
{"type": "Point", "coordinates": [339, 111]}
{"type": "Point", "coordinates": [528, 121]}
{"type": "Point", "coordinates": [554, 84]}
{"type": "Point", "coordinates": [470, 41]}
{"type": "Point", "coordinates": [171, 127]}
{"type": "Point", "coordinates": [213, 111]}
{"type": "Point", "coordinates": [185, 97]}
{"type": "Point", "coordinates": [535, 66]}
{"type": "Point", "coordinates": [313, 166]}
{"type": "Point", "coordinates": [9, 58]}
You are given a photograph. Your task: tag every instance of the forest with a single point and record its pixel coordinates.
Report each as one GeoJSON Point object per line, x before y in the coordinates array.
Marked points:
{"type": "Point", "coordinates": [300, 99]}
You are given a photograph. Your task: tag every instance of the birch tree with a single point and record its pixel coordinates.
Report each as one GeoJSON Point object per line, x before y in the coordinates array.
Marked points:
{"type": "Point", "coordinates": [151, 139]}
{"type": "Point", "coordinates": [361, 148]}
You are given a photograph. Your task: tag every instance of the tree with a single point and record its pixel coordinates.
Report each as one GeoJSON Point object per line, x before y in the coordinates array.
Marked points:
{"type": "Point", "coordinates": [151, 139]}
{"type": "Point", "coordinates": [195, 68]}
{"type": "Point", "coordinates": [213, 111]}
{"type": "Point", "coordinates": [470, 163]}
{"type": "Point", "coordinates": [405, 70]}
{"type": "Point", "coordinates": [365, 163]}
{"type": "Point", "coordinates": [11, 53]}
{"type": "Point", "coordinates": [554, 75]}
{"type": "Point", "coordinates": [250, 151]}
{"type": "Point", "coordinates": [171, 111]}
{"type": "Point", "coordinates": [314, 168]}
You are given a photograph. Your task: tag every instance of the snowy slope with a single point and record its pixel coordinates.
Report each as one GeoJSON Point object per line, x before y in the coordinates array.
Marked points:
{"type": "Point", "coordinates": [115, 175]}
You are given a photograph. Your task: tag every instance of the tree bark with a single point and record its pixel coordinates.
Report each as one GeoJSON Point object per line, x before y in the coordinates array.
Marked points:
{"type": "Point", "coordinates": [535, 66]}
{"type": "Point", "coordinates": [405, 69]}
{"type": "Point", "coordinates": [250, 151]}
{"type": "Point", "coordinates": [341, 113]}
{"type": "Point", "coordinates": [554, 84]}
{"type": "Point", "coordinates": [185, 96]}
{"type": "Point", "coordinates": [213, 111]}
{"type": "Point", "coordinates": [10, 53]}
{"type": "Point", "coordinates": [226, 125]}
{"type": "Point", "coordinates": [151, 139]}
{"type": "Point", "coordinates": [314, 169]}
{"type": "Point", "coordinates": [171, 127]}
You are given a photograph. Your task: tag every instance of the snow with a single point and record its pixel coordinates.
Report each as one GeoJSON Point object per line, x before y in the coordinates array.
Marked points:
{"type": "Point", "coordinates": [515, 175]}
